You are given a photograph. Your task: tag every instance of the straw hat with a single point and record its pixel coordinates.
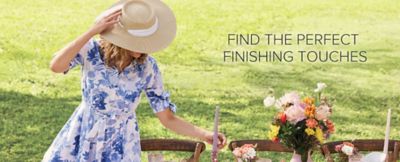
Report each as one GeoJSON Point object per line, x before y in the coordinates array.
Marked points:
{"type": "Point", "coordinates": [144, 26]}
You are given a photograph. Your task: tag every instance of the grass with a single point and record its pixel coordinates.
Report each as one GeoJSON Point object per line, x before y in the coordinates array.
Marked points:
{"type": "Point", "coordinates": [35, 104]}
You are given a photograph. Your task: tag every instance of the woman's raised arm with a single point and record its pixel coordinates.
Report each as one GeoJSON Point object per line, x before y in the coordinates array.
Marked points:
{"type": "Point", "coordinates": [63, 57]}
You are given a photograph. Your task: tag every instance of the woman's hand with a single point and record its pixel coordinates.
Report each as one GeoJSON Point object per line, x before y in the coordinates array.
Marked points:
{"type": "Point", "coordinates": [178, 125]}
{"type": "Point", "coordinates": [105, 23]}
{"type": "Point", "coordinates": [221, 139]}
{"type": "Point", "coordinates": [63, 57]}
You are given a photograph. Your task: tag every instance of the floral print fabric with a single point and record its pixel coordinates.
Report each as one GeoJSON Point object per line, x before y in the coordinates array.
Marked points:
{"type": "Point", "coordinates": [104, 127]}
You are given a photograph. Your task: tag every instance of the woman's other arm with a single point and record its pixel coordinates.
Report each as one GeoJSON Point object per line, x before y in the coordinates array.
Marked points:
{"type": "Point", "coordinates": [180, 126]}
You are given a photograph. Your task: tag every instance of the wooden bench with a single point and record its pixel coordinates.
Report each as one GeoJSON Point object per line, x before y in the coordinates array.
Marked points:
{"type": "Point", "coordinates": [174, 145]}
{"type": "Point", "coordinates": [262, 145]}
{"type": "Point", "coordinates": [362, 145]}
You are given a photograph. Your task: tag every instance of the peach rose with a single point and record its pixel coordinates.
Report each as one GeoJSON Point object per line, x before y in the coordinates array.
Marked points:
{"type": "Point", "coordinates": [311, 123]}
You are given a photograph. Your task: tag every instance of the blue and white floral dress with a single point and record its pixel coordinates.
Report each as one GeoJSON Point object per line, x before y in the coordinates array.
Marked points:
{"type": "Point", "coordinates": [104, 127]}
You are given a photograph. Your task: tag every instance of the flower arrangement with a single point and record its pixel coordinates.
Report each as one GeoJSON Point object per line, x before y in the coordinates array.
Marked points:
{"type": "Point", "coordinates": [346, 148]}
{"type": "Point", "coordinates": [301, 124]}
{"type": "Point", "coordinates": [246, 152]}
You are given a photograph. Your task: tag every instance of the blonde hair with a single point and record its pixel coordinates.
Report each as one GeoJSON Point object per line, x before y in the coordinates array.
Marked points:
{"type": "Point", "coordinates": [118, 57]}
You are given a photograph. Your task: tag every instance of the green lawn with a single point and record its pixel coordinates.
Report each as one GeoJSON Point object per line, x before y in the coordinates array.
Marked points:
{"type": "Point", "coordinates": [35, 103]}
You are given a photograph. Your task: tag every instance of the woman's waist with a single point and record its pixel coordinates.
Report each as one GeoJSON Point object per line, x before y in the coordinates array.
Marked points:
{"type": "Point", "coordinates": [111, 111]}
{"type": "Point", "coordinates": [113, 114]}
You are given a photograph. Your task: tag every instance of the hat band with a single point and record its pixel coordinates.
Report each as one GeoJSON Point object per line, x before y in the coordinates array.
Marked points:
{"type": "Point", "coordinates": [142, 32]}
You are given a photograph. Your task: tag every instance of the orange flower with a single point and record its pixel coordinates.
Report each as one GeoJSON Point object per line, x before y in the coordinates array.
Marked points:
{"type": "Point", "coordinates": [278, 116]}
{"type": "Point", "coordinates": [308, 100]}
{"type": "Point", "coordinates": [282, 117]}
{"type": "Point", "coordinates": [310, 111]}
{"type": "Point", "coordinates": [311, 123]}
{"type": "Point", "coordinates": [331, 127]}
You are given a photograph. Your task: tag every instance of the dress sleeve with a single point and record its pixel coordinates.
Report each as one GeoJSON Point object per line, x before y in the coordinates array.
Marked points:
{"type": "Point", "coordinates": [158, 98]}
{"type": "Point", "coordinates": [80, 57]}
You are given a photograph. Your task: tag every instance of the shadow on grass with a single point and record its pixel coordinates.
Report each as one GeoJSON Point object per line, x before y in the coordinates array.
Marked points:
{"type": "Point", "coordinates": [29, 124]}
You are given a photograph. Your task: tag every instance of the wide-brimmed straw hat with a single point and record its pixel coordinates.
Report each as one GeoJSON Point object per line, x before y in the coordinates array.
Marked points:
{"type": "Point", "coordinates": [144, 26]}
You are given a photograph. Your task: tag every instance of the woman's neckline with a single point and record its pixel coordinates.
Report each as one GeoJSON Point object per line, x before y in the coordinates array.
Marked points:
{"type": "Point", "coordinates": [130, 65]}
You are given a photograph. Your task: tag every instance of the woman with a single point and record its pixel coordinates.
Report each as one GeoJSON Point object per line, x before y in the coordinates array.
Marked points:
{"type": "Point", "coordinates": [115, 71]}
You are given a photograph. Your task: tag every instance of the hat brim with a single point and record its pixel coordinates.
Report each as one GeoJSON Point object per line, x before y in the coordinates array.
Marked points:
{"type": "Point", "coordinates": [157, 41]}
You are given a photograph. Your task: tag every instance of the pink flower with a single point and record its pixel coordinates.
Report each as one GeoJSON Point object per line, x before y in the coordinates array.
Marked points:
{"type": "Point", "coordinates": [287, 100]}
{"type": "Point", "coordinates": [338, 147]}
{"type": "Point", "coordinates": [237, 152]}
{"type": "Point", "coordinates": [295, 114]}
{"type": "Point", "coordinates": [323, 112]}
{"type": "Point", "coordinates": [247, 151]}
